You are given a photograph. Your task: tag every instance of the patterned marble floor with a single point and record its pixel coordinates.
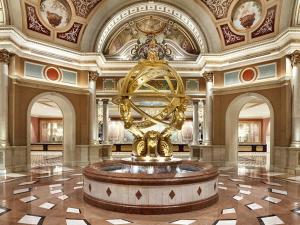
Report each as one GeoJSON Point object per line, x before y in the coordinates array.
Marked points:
{"type": "Point", "coordinates": [53, 195]}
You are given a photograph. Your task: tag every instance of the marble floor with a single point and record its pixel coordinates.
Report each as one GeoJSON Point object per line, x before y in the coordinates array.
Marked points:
{"type": "Point", "coordinates": [53, 195]}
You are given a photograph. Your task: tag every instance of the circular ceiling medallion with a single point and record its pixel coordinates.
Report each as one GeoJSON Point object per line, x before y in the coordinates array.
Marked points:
{"type": "Point", "coordinates": [247, 14]}
{"type": "Point", "coordinates": [52, 74]}
{"type": "Point", "coordinates": [56, 13]}
{"type": "Point", "coordinates": [248, 75]}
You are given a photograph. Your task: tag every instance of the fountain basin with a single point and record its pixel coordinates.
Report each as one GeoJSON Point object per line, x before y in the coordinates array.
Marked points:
{"type": "Point", "coordinates": [150, 187]}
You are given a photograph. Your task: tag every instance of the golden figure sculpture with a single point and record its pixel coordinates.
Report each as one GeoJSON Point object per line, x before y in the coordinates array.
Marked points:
{"type": "Point", "coordinates": [165, 105]}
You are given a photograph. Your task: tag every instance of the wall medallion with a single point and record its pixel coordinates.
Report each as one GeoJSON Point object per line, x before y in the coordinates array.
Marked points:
{"type": "Point", "coordinates": [56, 13]}
{"type": "Point", "coordinates": [248, 75]}
{"type": "Point", "coordinates": [52, 74]}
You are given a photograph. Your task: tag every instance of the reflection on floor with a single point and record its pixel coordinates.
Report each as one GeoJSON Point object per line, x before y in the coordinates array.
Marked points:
{"type": "Point", "coordinates": [46, 158]}
{"type": "Point", "coordinates": [53, 195]}
{"type": "Point", "coordinates": [254, 159]}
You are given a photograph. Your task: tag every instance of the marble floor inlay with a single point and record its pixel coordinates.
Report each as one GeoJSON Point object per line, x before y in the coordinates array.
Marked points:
{"type": "Point", "coordinates": [53, 200]}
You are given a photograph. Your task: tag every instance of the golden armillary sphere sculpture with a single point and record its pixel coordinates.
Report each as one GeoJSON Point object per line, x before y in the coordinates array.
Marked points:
{"type": "Point", "coordinates": [152, 93]}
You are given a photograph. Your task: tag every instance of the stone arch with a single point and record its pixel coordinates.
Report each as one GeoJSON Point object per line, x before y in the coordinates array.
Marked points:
{"type": "Point", "coordinates": [231, 126]}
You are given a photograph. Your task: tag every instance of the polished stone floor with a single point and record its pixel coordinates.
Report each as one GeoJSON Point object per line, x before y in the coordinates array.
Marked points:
{"type": "Point", "coordinates": [53, 195]}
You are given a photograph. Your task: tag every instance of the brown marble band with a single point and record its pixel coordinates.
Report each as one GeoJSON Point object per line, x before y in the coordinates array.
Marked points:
{"type": "Point", "coordinates": [207, 172]}
{"type": "Point", "coordinates": [151, 209]}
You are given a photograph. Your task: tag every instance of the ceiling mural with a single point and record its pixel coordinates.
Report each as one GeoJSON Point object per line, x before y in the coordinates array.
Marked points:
{"type": "Point", "coordinates": [247, 15]}
{"type": "Point", "coordinates": [268, 24]}
{"type": "Point", "coordinates": [56, 13]}
{"type": "Point", "coordinates": [219, 8]}
{"type": "Point", "coordinates": [84, 7]}
{"type": "Point", "coordinates": [134, 38]}
{"type": "Point", "coordinates": [230, 37]}
{"type": "Point", "coordinates": [72, 34]}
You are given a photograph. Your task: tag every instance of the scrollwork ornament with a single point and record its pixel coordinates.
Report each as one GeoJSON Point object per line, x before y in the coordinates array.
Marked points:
{"type": "Point", "coordinates": [295, 57]}
{"type": "Point", "coordinates": [4, 56]}
{"type": "Point", "coordinates": [93, 75]}
{"type": "Point", "coordinates": [208, 76]}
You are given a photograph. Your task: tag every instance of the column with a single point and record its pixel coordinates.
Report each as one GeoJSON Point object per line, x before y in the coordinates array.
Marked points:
{"type": "Point", "coordinates": [93, 108]}
{"type": "Point", "coordinates": [295, 58]}
{"type": "Point", "coordinates": [195, 121]}
{"type": "Point", "coordinates": [4, 60]}
{"type": "Point", "coordinates": [105, 121]}
{"type": "Point", "coordinates": [208, 109]}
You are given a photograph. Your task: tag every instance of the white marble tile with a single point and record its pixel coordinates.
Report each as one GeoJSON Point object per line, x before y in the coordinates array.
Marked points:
{"type": "Point", "coordinates": [254, 206]}
{"type": "Point", "coordinates": [272, 199]}
{"type": "Point", "coordinates": [77, 187]}
{"type": "Point", "coordinates": [22, 190]}
{"type": "Point", "coordinates": [236, 180]}
{"type": "Point", "coordinates": [53, 192]}
{"type": "Point", "coordinates": [272, 174]}
{"type": "Point", "coordinates": [73, 210]}
{"type": "Point", "coordinates": [80, 183]}
{"type": "Point", "coordinates": [225, 222]}
{"type": "Point", "coordinates": [272, 183]}
{"type": "Point", "coordinates": [30, 219]}
{"type": "Point", "coordinates": [245, 192]}
{"type": "Point", "coordinates": [238, 198]}
{"type": "Point", "coordinates": [221, 187]}
{"type": "Point", "coordinates": [27, 183]}
{"type": "Point", "coordinates": [15, 175]}
{"type": "Point", "coordinates": [271, 220]}
{"type": "Point", "coordinates": [63, 197]}
{"type": "Point", "coordinates": [29, 199]}
{"type": "Point", "coordinates": [76, 174]}
{"type": "Point", "coordinates": [45, 176]}
{"type": "Point", "coordinates": [55, 185]}
{"type": "Point", "coordinates": [76, 222]}
{"type": "Point", "coordinates": [297, 178]}
{"type": "Point", "coordinates": [228, 211]}
{"type": "Point", "coordinates": [63, 179]}
{"type": "Point", "coordinates": [4, 210]}
{"type": "Point", "coordinates": [224, 175]}
{"type": "Point", "coordinates": [7, 181]}
{"type": "Point", "coordinates": [245, 186]}
{"type": "Point", "coordinates": [277, 191]}
{"type": "Point", "coordinates": [118, 221]}
{"type": "Point", "coordinates": [47, 205]}
{"type": "Point", "coordinates": [184, 222]}
{"type": "Point", "coordinates": [221, 183]}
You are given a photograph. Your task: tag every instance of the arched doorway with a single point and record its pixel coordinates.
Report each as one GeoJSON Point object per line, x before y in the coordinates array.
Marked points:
{"type": "Point", "coordinates": [231, 126]}
{"type": "Point", "coordinates": [68, 116]}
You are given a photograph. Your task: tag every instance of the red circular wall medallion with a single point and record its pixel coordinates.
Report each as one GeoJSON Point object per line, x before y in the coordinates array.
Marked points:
{"type": "Point", "coordinates": [248, 75]}
{"type": "Point", "coordinates": [52, 74]}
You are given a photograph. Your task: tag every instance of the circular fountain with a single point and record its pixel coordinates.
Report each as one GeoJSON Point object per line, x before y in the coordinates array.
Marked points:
{"type": "Point", "coordinates": [151, 181]}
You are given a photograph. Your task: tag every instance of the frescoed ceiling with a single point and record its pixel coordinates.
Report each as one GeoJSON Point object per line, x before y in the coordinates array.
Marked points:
{"type": "Point", "coordinates": [198, 26]}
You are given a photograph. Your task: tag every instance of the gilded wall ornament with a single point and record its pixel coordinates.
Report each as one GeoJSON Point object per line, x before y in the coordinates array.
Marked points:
{"type": "Point", "coordinates": [208, 76]}
{"type": "Point", "coordinates": [93, 75]}
{"type": "Point", "coordinates": [4, 56]}
{"type": "Point", "coordinates": [295, 57]}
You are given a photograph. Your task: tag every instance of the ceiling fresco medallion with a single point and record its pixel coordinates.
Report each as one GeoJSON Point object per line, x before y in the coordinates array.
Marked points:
{"type": "Point", "coordinates": [268, 25]}
{"type": "Point", "coordinates": [246, 15]}
{"type": "Point", "coordinates": [229, 36]}
{"type": "Point", "coordinates": [56, 13]}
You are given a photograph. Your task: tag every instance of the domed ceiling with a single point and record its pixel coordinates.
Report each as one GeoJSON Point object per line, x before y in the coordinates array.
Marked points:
{"type": "Point", "coordinates": [179, 36]}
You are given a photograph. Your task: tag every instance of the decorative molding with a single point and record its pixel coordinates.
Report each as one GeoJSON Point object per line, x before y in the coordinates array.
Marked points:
{"type": "Point", "coordinates": [208, 76]}
{"type": "Point", "coordinates": [33, 22]}
{"type": "Point", "coordinates": [229, 36]}
{"type": "Point", "coordinates": [268, 25]}
{"type": "Point", "coordinates": [151, 7]}
{"type": "Point", "coordinates": [93, 75]}
{"type": "Point", "coordinates": [219, 8]}
{"type": "Point", "coordinates": [4, 56]}
{"type": "Point", "coordinates": [72, 34]}
{"type": "Point", "coordinates": [84, 7]}
{"type": "Point", "coordinates": [295, 57]}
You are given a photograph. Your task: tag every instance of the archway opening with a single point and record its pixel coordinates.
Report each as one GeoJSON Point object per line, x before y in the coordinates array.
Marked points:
{"type": "Point", "coordinates": [50, 131]}
{"type": "Point", "coordinates": [46, 134]}
{"type": "Point", "coordinates": [254, 135]}
{"type": "Point", "coordinates": [259, 108]}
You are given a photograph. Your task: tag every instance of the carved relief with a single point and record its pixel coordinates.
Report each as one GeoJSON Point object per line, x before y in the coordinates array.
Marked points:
{"type": "Point", "coordinates": [218, 7]}
{"type": "Point", "coordinates": [93, 75]}
{"type": "Point", "coordinates": [295, 57]}
{"type": "Point", "coordinates": [268, 26]}
{"type": "Point", "coordinates": [4, 56]}
{"type": "Point", "coordinates": [229, 36]}
{"type": "Point", "coordinates": [72, 34]}
{"type": "Point", "coordinates": [208, 76]}
{"type": "Point", "coordinates": [84, 7]}
{"type": "Point", "coordinates": [33, 22]}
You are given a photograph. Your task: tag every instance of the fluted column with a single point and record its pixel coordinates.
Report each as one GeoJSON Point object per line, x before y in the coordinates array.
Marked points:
{"type": "Point", "coordinates": [195, 122]}
{"type": "Point", "coordinates": [105, 121]}
{"type": "Point", "coordinates": [4, 61]}
{"type": "Point", "coordinates": [93, 108]}
{"type": "Point", "coordinates": [295, 58]}
{"type": "Point", "coordinates": [207, 140]}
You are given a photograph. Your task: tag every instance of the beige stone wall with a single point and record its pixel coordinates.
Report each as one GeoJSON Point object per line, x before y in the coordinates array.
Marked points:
{"type": "Point", "coordinates": [280, 98]}
{"type": "Point", "coordinates": [20, 96]}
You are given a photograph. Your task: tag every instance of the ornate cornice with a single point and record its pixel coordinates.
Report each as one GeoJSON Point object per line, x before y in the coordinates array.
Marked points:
{"type": "Point", "coordinates": [295, 57]}
{"type": "Point", "coordinates": [4, 56]}
{"type": "Point", "coordinates": [93, 75]}
{"type": "Point", "coordinates": [208, 76]}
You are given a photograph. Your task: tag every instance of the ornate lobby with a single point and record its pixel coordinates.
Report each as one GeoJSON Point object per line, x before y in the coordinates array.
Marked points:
{"type": "Point", "coordinates": [150, 112]}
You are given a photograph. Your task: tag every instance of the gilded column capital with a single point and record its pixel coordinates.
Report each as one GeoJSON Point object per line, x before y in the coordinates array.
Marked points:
{"type": "Point", "coordinates": [4, 56]}
{"type": "Point", "coordinates": [93, 75]}
{"type": "Point", "coordinates": [208, 76]}
{"type": "Point", "coordinates": [105, 101]}
{"type": "Point", "coordinates": [295, 57]}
